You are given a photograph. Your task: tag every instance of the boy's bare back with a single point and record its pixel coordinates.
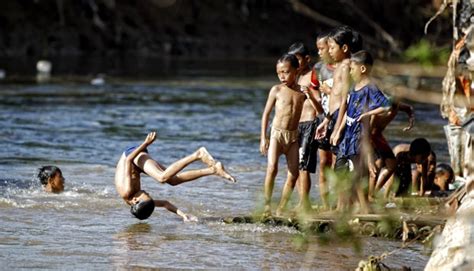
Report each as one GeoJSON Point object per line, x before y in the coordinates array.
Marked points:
{"type": "Point", "coordinates": [126, 186]}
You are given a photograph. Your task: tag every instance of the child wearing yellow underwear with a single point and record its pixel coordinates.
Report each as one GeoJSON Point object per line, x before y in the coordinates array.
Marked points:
{"type": "Point", "coordinates": [287, 99]}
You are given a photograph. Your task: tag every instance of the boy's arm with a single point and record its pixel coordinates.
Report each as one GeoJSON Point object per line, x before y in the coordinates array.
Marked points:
{"type": "Point", "coordinates": [336, 134]}
{"type": "Point", "coordinates": [376, 111]}
{"type": "Point", "coordinates": [321, 129]}
{"type": "Point", "coordinates": [315, 101]}
{"type": "Point", "coordinates": [265, 116]}
{"type": "Point", "coordinates": [408, 109]}
{"type": "Point", "coordinates": [170, 207]}
{"type": "Point", "coordinates": [424, 178]}
{"type": "Point", "coordinates": [341, 121]}
{"type": "Point", "coordinates": [346, 84]}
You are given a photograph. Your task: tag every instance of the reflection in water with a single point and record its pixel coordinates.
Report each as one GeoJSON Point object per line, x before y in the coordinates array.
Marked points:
{"type": "Point", "coordinates": [131, 236]}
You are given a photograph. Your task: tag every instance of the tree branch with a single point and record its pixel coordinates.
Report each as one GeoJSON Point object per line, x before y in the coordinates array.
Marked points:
{"type": "Point", "coordinates": [311, 13]}
{"type": "Point", "coordinates": [385, 35]}
{"type": "Point", "coordinates": [318, 17]}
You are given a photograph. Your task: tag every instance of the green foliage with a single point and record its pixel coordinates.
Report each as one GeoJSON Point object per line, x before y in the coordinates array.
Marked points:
{"type": "Point", "coordinates": [426, 54]}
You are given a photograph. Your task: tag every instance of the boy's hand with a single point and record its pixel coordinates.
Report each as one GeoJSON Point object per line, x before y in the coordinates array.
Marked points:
{"type": "Point", "coordinates": [334, 140]}
{"type": "Point", "coordinates": [150, 138]}
{"type": "Point", "coordinates": [321, 131]}
{"type": "Point", "coordinates": [361, 117]}
{"type": "Point", "coordinates": [264, 146]}
{"type": "Point", "coordinates": [324, 88]}
{"type": "Point", "coordinates": [190, 218]}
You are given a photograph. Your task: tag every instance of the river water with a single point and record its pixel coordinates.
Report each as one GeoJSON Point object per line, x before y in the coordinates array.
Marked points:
{"type": "Point", "coordinates": [83, 129]}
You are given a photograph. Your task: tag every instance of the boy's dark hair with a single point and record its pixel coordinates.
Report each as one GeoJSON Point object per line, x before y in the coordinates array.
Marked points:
{"type": "Point", "coordinates": [363, 57]}
{"type": "Point", "coordinates": [46, 172]}
{"type": "Point", "coordinates": [323, 35]}
{"type": "Point", "coordinates": [298, 48]}
{"type": "Point", "coordinates": [290, 58]}
{"type": "Point", "coordinates": [142, 209]}
{"type": "Point", "coordinates": [346, 35]}
{"type": "Point", "coordinates": [420, 146]}
{"type": "Point", "coordinates": [443, 167]}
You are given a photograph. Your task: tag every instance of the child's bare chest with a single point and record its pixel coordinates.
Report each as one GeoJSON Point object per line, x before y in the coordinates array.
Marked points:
{"type": "Point", "coordinates": [289, 99]}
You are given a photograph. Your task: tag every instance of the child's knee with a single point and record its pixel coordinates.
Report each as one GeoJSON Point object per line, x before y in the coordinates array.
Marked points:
{"type": "Point", "coordinates": [165, 179]}
{"type": "Point", "coordinates": [293, 174]}
{"type": "Point", "coordinates": [272, 168]}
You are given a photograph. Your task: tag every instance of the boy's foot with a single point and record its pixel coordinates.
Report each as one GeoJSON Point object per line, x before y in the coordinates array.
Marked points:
{"type": "Point", "coordinates": [279, 212]}
{"type": "Point", "coordinates": [206, 157]}
{"type": "Point", "coordinates": [303, 209]}
{"type": "Point", "coordinates": [220, 171]}
{"type": "Point", "coordinates": [267, 212]}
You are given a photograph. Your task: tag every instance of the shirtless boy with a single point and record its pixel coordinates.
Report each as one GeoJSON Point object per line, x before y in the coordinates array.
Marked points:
{"type": "Point", "coordinates": [136, 160]}
{"type": "Point", "coordinates": [384, 163]}
{"type": "Point", "coordinates": [417, 153]}
{"type": "Point", "coordinates": [307, 124]}
{"type": "Point", "coordinates": [287, 99]}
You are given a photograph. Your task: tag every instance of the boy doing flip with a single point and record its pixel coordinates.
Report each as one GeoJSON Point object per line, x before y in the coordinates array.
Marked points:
{"type": "Point", "coordinates": [136, 160]}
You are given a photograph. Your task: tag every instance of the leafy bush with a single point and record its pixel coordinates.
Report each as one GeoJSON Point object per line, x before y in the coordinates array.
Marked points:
{"type": "Point", "coordinates": [426, 53]}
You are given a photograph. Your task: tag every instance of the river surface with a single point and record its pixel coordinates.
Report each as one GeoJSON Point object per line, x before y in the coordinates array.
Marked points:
{"type": "Point", "coordinates": [83, 129]}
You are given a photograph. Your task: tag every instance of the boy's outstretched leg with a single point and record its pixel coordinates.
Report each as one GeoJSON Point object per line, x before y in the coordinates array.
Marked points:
{"type": "Point", "coordinates": [190, 175]}
{"type": "Point", "coordinates": [206, 157]}
{"type": "Point", "coordinates": [161, 174]}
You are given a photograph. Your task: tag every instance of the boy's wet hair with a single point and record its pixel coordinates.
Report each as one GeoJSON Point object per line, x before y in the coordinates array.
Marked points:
{"type": "Point", "coordinates": [142, 209]}
{"type": "Point", "coordinates": [420, 146]}
{"type": "Point", "coordinates": [291, 59]}
{"type": "Point", "coordinates": [346, 35]}
{"type": "Point", "coordinates": [46, 172]}
{"type": "Point", "coordinates": [298, 48]}
{"type": "Point", "coordinates": [445, 168]}
{"type": "Point", "coordinates": [362, 57]}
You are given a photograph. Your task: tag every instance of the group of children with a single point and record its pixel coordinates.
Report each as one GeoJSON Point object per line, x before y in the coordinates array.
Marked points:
{"type": "Point", "coordinates": [334, 110]}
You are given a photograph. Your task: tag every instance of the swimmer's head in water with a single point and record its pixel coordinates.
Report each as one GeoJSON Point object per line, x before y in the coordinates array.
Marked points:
{"type": "Point", "coordinates": [143, 206]}
{"type": "Point", "coordinates": [51, 178]}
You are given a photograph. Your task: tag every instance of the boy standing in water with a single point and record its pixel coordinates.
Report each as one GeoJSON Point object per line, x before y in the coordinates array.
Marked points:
{"type": "Point", "coordinates": [365, 100]}
{"type": "Point", "coordinates": [342, 41]}
{"type": "Point", "coordinates": [287, 99]}
{"type": "Point", "coordinates": [307, 124]}
{"type": "Point", "coordinates": [136, 160]}
{"type": "Point", "coordinates": [323, 76]}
